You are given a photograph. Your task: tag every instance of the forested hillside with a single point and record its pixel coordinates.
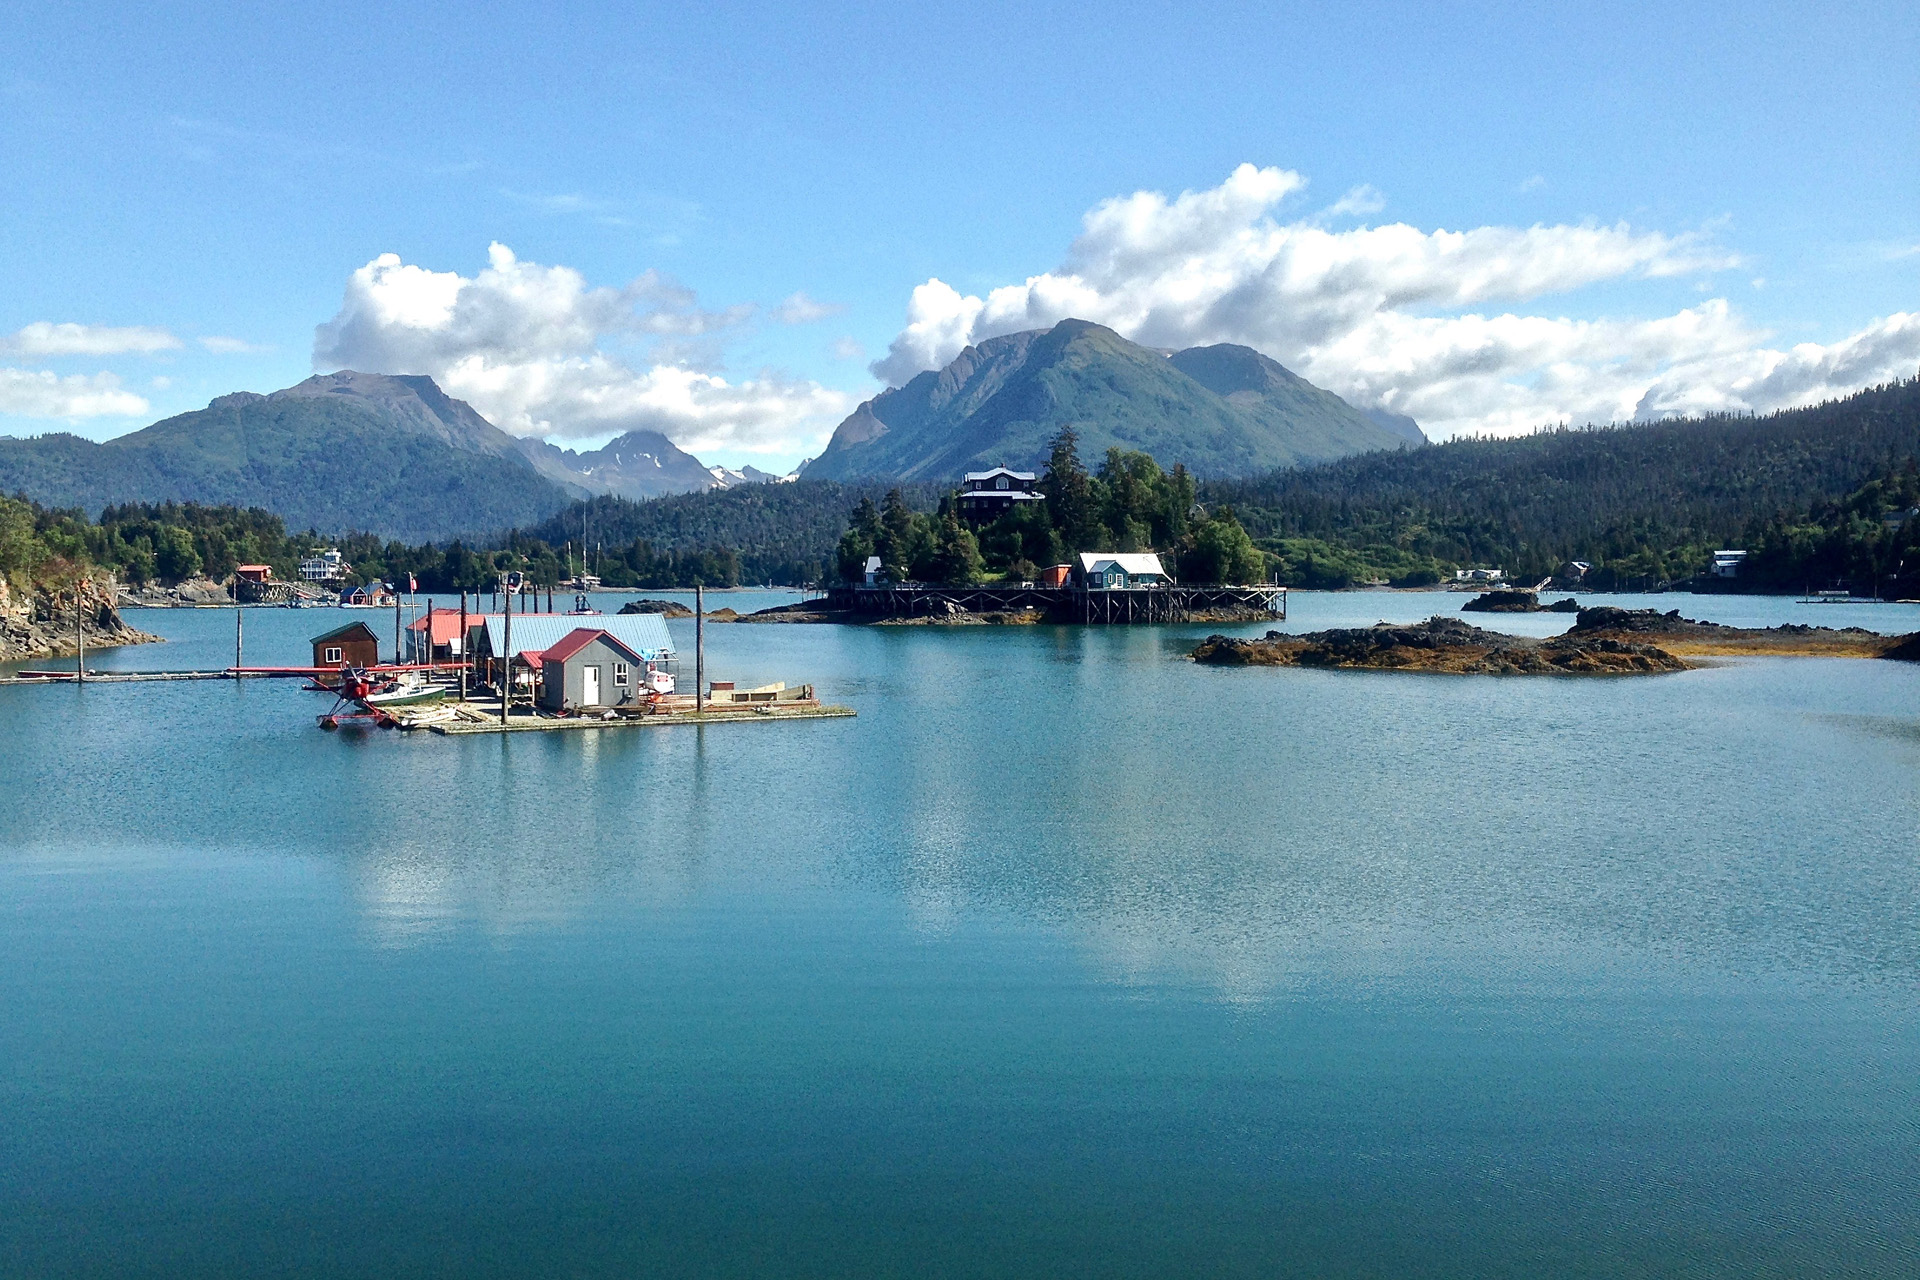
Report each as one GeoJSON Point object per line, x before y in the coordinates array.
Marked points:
{"type": "Point", "coordinates": [1644, 504]}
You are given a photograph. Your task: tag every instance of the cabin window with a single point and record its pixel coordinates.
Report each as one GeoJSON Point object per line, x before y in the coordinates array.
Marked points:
{"type": "Point", "coordinates": [620, 674]}
{"type": "Point", "coordinates": [1001, 483]}
{"type": "Point", "coordinates": [333, 654]}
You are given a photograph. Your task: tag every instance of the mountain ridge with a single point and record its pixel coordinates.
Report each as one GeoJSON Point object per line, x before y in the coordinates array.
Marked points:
{"type": "Point", "coordinates": [1223, 410]}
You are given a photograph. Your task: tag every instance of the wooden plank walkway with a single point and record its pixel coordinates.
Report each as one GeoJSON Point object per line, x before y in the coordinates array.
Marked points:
{"type": "Point", "coordinates": [539, 724]}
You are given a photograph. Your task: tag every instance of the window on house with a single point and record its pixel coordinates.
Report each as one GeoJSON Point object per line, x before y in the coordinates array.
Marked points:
{"type": "Point", "coordinates": [333, 655]}
{"type": "Point", "coordinates": [620, 674]}
{"type": "Point", "coordinates": [1001, 483]}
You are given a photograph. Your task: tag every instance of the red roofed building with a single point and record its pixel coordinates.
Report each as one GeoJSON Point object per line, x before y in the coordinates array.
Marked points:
{"type": "Point", "coordinates": [442, 626]}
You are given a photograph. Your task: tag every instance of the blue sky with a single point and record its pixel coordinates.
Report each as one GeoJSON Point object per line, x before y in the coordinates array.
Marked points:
{"type": "Point", "coordinates": [212, 173]}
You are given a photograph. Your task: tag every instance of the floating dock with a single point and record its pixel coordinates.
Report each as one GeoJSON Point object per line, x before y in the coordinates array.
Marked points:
{"type": "Point", "coordinates": [763, 713]}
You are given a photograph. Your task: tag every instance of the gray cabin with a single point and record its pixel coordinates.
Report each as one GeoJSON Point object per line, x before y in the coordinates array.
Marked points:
{"type": "Point", "coordinates": [590, 669]}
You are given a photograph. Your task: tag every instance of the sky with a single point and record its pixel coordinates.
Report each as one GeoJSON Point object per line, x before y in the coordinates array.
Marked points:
{"type": "Point", "coordinates": [732, 223]}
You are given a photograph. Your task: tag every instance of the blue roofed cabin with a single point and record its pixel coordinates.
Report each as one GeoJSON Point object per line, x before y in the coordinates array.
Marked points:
{"type": "Point", "coordinates": [986, 495]}
{"type": "Point", "coordinates": [1121, 571]}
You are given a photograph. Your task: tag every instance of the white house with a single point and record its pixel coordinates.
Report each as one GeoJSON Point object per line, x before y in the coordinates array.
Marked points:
{"type": "Point", "coordinates": [1115, 571]}
{"type": "Point", "coordinates": [1726, 564]}
{"type": "Point", "coordinates": [875, 576]}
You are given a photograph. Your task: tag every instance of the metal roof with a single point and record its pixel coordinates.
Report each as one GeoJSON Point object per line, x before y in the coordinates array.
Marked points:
{"type": "Point", "coordinates": [972, 476]}
{"type": "Point", "coordinates": [580, 637]}
{"type": "Point", "coordinates": [1137, 565]}
{"type": "Point", "coordinates": [645, 633]}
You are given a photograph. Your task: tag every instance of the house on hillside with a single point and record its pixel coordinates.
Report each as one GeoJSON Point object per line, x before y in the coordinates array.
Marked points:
{"type": "Point", "coordinates": [1120, 571]}
{"type": "Point", "coordinates": [1726, 564]}
{"type": "Point", "coordinates": [354, 645]}
{"type": "Point", "coordinates": [875, 575]}
{"type": "Point", "coordinates": [324, 566]}
{"type": "Point", "coordinates": [590, 669]}
{"type": "Point", "coordinates": [986, 495]}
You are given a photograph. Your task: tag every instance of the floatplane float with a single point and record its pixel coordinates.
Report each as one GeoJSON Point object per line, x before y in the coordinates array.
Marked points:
{"type": "Point", "coordinates": [370, 695]}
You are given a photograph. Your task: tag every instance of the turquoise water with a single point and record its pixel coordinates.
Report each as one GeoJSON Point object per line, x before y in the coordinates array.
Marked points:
{"type": "Point", "coordinates": [1066, 957]}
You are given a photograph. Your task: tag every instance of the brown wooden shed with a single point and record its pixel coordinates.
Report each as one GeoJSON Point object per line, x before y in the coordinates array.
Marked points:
{"type": "Point", "coordinates": [353, 645]}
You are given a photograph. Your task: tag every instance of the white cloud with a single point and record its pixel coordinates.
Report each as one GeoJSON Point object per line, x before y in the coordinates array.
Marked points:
{"type": "Point", "coordinates": [800, 309]}
{"type": "Point", "coordinates": [232, 346]}
{"type": "Point", "coordinates": [1533, 183]}
{"type": "Point", "coordinates": [1392, 315]}
{"type": "Point", "coordinates": [524, 344]}
{"type": "Point", "coordinates": [43, 339]}
{"type": "Point", "coordinates": [1362, 200]}
{"type": "Point", "coordinates": [30, 393]}
{"type": "Point", "coordinates": [847, 347]}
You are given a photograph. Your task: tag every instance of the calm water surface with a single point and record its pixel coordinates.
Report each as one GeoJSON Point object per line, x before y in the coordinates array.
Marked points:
{"type": "Point", "coordinates": [1066, 957]}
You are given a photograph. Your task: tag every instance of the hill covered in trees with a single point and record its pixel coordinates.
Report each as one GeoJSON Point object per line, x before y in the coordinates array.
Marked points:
{"type": "Point", "coordinates": [1644, 504]}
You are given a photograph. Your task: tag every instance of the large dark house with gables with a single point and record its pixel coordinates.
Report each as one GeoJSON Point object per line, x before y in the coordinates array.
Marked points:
{"type": "Point", "coordinates": [986, 495]}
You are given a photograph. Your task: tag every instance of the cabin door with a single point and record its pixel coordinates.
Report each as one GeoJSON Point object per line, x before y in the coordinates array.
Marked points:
{"type": "Point", "coordinates": [589, 686]}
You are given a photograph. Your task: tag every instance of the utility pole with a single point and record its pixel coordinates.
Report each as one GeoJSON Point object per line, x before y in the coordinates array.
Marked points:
{"type": "Point", "coordinates": [506, 683]}
{"type": "Point", "coordinates": [398, 658]}
{"type": "Point", "coordinates": [699, 649]}
{"type": "Point", "coordinates": [80, 630]}
{"type": "Point", "coordinates": [239, 637]}
{"type": "Point", "coordinates": [463, 644]}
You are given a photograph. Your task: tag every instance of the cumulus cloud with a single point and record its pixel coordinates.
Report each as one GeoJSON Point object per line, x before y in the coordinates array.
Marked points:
{"type": "Point", "coordinates": [43, 339]}
{"type": "Point", "coordinates": [1394, 316]}
{"type": "Point", "coordinates": [526, 344]}
{"type": "Point", "coordinates": [31, 393]}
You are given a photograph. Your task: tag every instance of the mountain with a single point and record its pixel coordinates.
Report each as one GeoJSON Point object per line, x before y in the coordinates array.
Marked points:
{"type": "Point", "coordinates": [1398, 423]}
{"type": "Point", "coordinates": [728, 477]}
{"type": "Point", "coordinates": [342, 451]}
{"type": "Point", "coordinates": [1223, 410]}
{"type": "Point", "coordinates": [639, 464]}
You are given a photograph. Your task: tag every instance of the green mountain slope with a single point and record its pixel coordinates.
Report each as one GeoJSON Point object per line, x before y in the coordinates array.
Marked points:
{"type": "Point", "coordinates": [1224, 411]}
{"type": "Point", "coordinates": [391, 455]}
{"type": "Point", "coordinates": [1643, 503]}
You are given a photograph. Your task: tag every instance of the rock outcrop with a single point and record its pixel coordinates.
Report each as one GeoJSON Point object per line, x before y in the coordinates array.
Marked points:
{"type": "Point", "coordinates": [42, 623]}
{"type": "Point", "coordinates": [1694, 638]}
{"type": "Point", "coordinates": [1440, 644]}
{"type": "Point", "coordinates": [665, 608]}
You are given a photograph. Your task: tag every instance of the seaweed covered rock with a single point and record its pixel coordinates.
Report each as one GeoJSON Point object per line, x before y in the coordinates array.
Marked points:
{"type": "Point", "coordinates": [1440, 644]}
{"type": "Point", "coordinates": [1504, 600]}
{"type": "Point", "coordinates": [666, 608]}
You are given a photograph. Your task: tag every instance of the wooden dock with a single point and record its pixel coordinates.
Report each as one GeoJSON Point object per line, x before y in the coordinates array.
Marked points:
{"type": "Point", "coordinates": [1107, 606]}
{"type": "Point", "coordinates": [114, 677]}
{"type": "Point", "coordinates": [761, 714]}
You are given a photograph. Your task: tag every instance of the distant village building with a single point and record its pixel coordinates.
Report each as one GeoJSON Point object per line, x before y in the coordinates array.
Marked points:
{"type": "Point", "coordinates": [589, 669]}
{"type": "Point", "coordinates": [985, 495]}
{"type": "Point", "coordinates": [1479, 575]}
{"type": "Point", "coordinates": [324, 566]}
{"type": "Point", "coordinates": [1114, 571]}
{"type": "Point", "coordinates": [370, 594]}
{"type": "Point", "coordinates": [1726, 564]}
{"type": "Point", "coordinates": [1055, 575]}
{"type": "Point", "coordinates": [257, 574]}
{"type": "Point", "coordinates": [875, 575]}
{"type": "Point", "coordinates": [354, 645]}
{"type": "Point", "coordinates": [1574, 571]}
